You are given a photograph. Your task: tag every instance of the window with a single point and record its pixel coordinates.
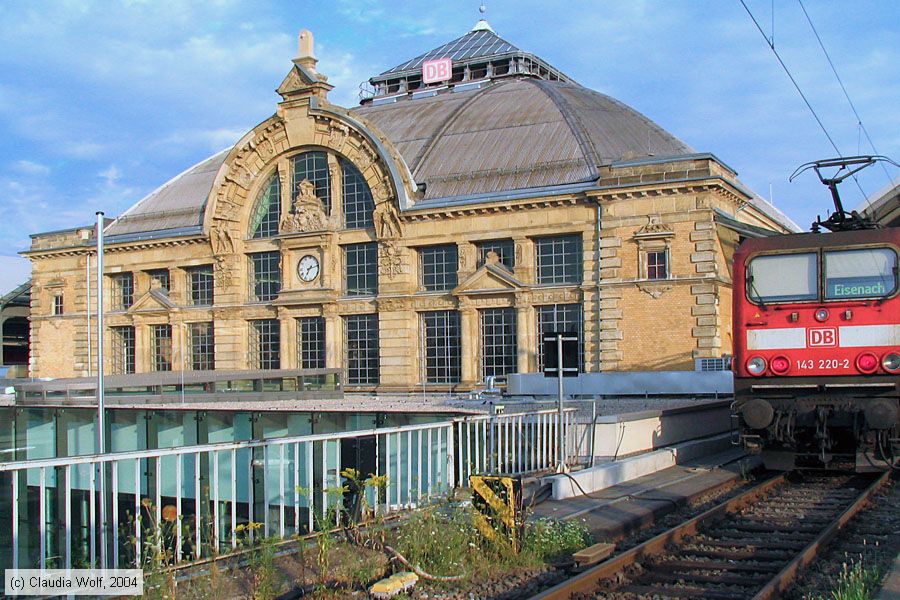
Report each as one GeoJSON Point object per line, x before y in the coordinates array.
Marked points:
{"type": "Point", "coordinates": [311, 342]}
{"type": "Point", "coordinates": [498, 341]}
{"type": "Point", "coordinates": [265, 276]}
{"type": "Point", "coordinates": [201, 285]}
{"type": "Point", "coordinates": [122, 342]}
{"type": "Point", "coordinates": [312, 166]}
{"type": "Point", "coordinates": [265, 344]}
{"type": "Point", "coordinates": [58, 304]}
{"type": "Point", "coordinates": [657, 264]}
{"type": "Point", "coordinates": [358, 203]}
{"type": "Point", "coordinates": [560, 318]}
{"type": "Point", "coordinates": [559, 259]}
{"type": "Point", "coordinates": [505, 250]}
{"type": "Point", "coordinates": [162, 347]}
{"type": "Point", "coordinates": [201, 339]}
{"type": "Point", "coordinates": [783, 278]}
{"type": "Point", "coordinates": [267, 211]}
{"type": "Point", "coordinates": [361, 349]}
{"type": "Point", "coordinates": [159, 278]}
{"type": "Point", "coordinates": [123, 291]}
{"type": "Point", "coordinates": [441, 346]}
{"type": "Point", "coordinates": [868, 273]}
{"type": "Point", "coordinates": [361, 269]}
{"type": "Point", "coordinates": [438, 265]}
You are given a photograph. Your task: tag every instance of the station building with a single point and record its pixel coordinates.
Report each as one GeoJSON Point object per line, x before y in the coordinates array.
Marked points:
{"type": "Point", "coordinates": [426, 237]}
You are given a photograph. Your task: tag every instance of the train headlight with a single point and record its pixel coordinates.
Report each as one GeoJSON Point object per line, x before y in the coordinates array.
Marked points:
{"type": "Point", "coordinates": [891, 362]}
{"type": "Point", "coordinates": [756, 365]}
{"type": "Point", "coordinates": [780, 365]}
{"type": "Point", "coordinates": [821, 315]}
{"type": "Point", "coordinates": [867, 362]}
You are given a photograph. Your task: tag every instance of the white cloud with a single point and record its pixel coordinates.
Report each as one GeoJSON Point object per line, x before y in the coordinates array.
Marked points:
{"type": "Point", "coordinates": [29, 167]}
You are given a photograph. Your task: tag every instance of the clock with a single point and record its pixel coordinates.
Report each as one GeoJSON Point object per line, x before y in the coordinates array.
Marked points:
{"type": "Point", "coordinates": [308, 268]}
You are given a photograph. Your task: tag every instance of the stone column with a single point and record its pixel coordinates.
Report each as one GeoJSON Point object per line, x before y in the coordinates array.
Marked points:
{"type": "Point", "coordinates": [334, 335]}
{"type": "Point", "coordinates": [288, 325]}
{"type": "Point", "coordinates": [468, 326]}
{"type": "Point", "coordinates": [525, 338]}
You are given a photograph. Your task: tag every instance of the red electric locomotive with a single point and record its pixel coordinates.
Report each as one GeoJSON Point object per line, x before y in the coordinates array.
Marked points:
{"type": "Point", "coordinates": [817, 341]}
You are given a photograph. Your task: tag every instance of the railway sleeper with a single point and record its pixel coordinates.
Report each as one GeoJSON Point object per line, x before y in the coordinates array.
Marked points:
{"type": "Point", "coordinates": [682, 592]}
{"type": "Point", "coordinates": [773, 528]}
{"type": "Point", "coordinates": [788, 521]}
{"type": "Point", "coordinates": [761, 555]}
{"type": "Point", "coordinates": [744, 544]}
{"type": "Point", "coordinates": [686, 563]}
{"type": "Point", "coordinates": [747, 580]}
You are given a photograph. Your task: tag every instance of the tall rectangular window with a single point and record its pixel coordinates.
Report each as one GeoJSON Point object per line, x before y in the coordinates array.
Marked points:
{"type": "Point", "coordinates": [504, 249]}
{"type": "Point", "coordinates": [311, 342]}
{"type": "Point", "coordinates": [202, 346]}
{"type": "Point", "coordinates": [657, 264]}
{"type": "Point", "coordinates": [441, 346]}
{"type": "Point", "coordinates": [438, 266]}
{"type": "Point", "coordinates": [265, 344]}
{"type": "Point", "coordinates": [361, 349]}
{"type": "Point", "coordinates": [122, 346]}
{"type": "Point", "coordinates": [312, 166]}
{"type": "Point", "coordinates": [361, 269]}
{"type": "Point", "coordinates": [122, 291]}
{"type": "Point", "coordinates": [159, 278]}
{"type": "Point", "coordinates": [58, 307]}
{"type": "Point", "coordinates": [559, 259]}
{"type": "Point", "coordinates": [358, 203]}
{"type": "Point", "coordinates": [265, 276]}
{"type": "Point", "coordinates": [162, 347]}
{"type": "Point", "coordinates": [560, 318]}
{"type": "Point", "coordinates": [201, 285]}
{"type": "Point", "coordinates": [498, 341]}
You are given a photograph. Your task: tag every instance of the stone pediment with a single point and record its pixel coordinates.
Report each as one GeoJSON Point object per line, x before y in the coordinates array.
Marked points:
{"type": "Point", "coordinates": [153, 301]}
{"type": "Point", "coordinates": [491, 278]}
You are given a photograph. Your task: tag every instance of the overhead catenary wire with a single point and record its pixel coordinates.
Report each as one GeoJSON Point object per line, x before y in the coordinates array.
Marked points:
{"type": "Point", "coordinates": [843, 88]}
{"type": "Point", "coordinates": [771, 44]}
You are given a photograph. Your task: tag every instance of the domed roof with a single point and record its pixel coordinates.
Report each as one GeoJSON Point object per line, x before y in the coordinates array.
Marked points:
{"type": "Point", "coordinates": [514, 133]}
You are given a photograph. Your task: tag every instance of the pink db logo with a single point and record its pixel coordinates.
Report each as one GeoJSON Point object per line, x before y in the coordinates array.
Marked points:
{"type": "Point", "coordinates": [821, 337]}
{"type": "Point", "coordinates": [434, 71]}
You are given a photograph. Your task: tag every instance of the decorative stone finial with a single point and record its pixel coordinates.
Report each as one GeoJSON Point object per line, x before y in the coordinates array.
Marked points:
{"type": "Point", "coordinates": [305, 55]}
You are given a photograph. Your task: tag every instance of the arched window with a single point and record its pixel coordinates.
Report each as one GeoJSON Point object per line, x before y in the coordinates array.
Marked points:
{"type": "Point", "coordinates": [358, 203]}
{"type": "Point", "coordinates": [314, 167]}
{"type": "Point", "coordinates": [267, 212]}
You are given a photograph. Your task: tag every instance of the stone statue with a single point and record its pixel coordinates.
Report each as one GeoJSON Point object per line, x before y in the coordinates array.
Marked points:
{"type": "Point", "coordinates": [220, 239]}
{"type": "Point", "coordinates": [306, 213]}
{"type": "Point", "coordinates": [387, 223]}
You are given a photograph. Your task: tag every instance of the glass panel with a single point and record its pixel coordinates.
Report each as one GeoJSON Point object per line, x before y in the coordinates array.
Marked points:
{"type": "Point", "coordinates": [312, 166]}
{"type": "Point", "coordinates": [560, 318]}
{"type": "Point", "coordinates": [311, 342]}
{"type": "Point", "coordinates": [162, 347]}
{"type": "Point", "coordinates": [358, 203]}
{"type": "Point", "coordinates": [200, 281]}
{"type": "Point", "coordinates": [361, 349]}
{"type": "Point", "coordinates": [505, 250]}
{"type": "Point", "coordinates": [782, 278]}
{"type": "Point", "coordinates": [266, 276]}
{"type": "Point", "coordinates": [441, 334]}
{"type": "Point", "coordinates": [267, 212]}
{"type": "Point", "coordinates": [439, 267]}
{"type": "Point", "coordinates": [202, 346]}
{"type": "Point", "coordinates": [361, 269]}
{"type": "Point", "coordinates": [559, 259]}
{"type": "Point", "coordinates": [869, 273]}
{"type": "Point", "coordinates": [498, 341]}
{"type": "Point", "coordinates": [265, 344]}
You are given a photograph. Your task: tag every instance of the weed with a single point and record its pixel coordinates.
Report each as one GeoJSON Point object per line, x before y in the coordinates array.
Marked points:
{"type": "Point", "coordinates": [856, 582]}
{"type": "Point", "coordinates": [548, 539]}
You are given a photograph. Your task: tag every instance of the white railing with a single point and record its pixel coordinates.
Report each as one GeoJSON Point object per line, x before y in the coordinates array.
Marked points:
{"type": "Point", "coordinates": [206, 495]}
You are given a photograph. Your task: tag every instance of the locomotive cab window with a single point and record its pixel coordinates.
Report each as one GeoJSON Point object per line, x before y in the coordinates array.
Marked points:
{"type": "Point", "coordinates": [867, 273]}
{"type": "Point", "coordinates": [782, 278]}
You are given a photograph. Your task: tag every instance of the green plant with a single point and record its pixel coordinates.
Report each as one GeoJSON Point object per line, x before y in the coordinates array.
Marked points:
{"type": "Point", "coordinates": [442, 540]}
{"type": "Point", "coordinates": [857, 582]}
{"type": "Point", "coordinates": [548, 539]}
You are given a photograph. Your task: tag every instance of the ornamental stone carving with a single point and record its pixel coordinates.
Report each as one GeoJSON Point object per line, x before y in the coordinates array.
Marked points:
{"type": "Point", "coordinates": [222, 273]}
{"type": "Point", "coordinates": [654, 290]}
{"type": "Point", "coordinates": [307, 213]}
{"type": "Point", "coordinates": [220, 238]}
{"type": "Point", "coordinates": [387, 221]}
{"type": "Point", "coordinates": [390, 259]}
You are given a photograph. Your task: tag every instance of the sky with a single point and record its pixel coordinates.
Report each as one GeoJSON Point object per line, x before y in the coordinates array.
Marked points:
{"type": "Point", "coordinates": [102, 102]}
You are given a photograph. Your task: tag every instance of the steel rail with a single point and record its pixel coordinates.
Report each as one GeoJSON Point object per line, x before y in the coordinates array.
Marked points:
{"type": "Point", "coordinates": [586, 582]}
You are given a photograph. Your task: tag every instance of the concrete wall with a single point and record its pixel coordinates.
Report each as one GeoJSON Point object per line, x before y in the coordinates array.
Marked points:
{"type": "Point", "coordinates": [640, 383]}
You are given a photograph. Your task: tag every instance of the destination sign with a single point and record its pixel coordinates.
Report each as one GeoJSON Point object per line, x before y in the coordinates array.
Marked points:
{"type": "Point", "coordinates": [856, 287]}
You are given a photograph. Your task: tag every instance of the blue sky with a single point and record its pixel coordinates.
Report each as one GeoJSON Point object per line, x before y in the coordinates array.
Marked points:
{"type": "Point", "coordinates": [101, 102]}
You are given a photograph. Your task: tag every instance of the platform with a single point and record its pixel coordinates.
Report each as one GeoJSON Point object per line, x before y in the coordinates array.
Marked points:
{"type": "Point", "coordinates": [615, 512]}
{"type": "Point", "coordinates": [890, 587]}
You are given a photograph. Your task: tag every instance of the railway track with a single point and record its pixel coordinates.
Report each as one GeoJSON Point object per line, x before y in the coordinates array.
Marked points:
{"type": "Point", "coordinates": [751, 546]}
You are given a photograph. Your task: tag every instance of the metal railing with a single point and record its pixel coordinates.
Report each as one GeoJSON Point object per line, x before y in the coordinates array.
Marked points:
{"type": "Point", "coordinates": [207, 496]}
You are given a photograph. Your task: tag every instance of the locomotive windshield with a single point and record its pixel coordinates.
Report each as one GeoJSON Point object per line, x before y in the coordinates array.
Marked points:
{"type": "Point", "coordinates": [867, 273]}
{"type": "Point", "coordinates": [782, 278]}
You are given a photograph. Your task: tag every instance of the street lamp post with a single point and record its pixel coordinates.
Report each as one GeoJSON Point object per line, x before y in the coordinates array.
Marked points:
{"type": "Point", "coordinates": [101, 407]}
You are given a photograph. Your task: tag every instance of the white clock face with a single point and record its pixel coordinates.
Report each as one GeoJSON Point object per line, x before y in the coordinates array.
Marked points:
{"type": "Point", "coordinates": [308, 268]}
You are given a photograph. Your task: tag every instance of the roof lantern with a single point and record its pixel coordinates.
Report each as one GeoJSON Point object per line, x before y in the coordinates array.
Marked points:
{"type": "Point", "coordinates": [479, 55]}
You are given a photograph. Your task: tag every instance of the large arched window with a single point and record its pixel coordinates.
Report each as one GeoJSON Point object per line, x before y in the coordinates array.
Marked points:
{"type": "Point", "coordinates": [357, 198]}
{"type": "Point", "coordinates": [267, 212]}
{"type": "Point", "coordinates": [314, 167]}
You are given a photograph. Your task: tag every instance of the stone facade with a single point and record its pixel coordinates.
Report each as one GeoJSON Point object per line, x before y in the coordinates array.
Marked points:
{"type": "Point", "coordinates": [633, 318]}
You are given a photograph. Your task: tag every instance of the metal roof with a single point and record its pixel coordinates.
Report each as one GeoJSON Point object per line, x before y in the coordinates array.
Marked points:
{"type": "Point", "coordinates": [178, 203]}
{"type": "Point", "coordinates": [474, 44]}
{"type": "Point", "coordinates": [515, 133]}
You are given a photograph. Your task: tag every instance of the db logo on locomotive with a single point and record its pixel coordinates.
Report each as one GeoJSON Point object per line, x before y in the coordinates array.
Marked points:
{"type": "Point", "coordinates": [821, 337]}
